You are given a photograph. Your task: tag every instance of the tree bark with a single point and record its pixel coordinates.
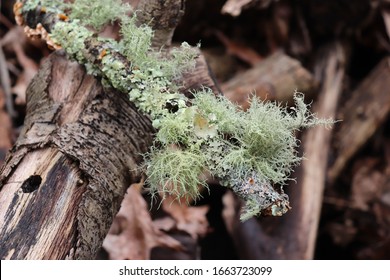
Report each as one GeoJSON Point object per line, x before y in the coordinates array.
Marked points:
{"type": "Point", "coordinates": [66, 176]}
{"type": "Point", "coordinates": [163, 17]}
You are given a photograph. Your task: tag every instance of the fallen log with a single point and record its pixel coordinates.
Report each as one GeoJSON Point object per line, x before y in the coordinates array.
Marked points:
{"type": "Point", "coordinates": [275, 78]}
{"type": "Point", "coordinates": [64, 180]}
{"type": "Point", "coordinates": [363, 114]}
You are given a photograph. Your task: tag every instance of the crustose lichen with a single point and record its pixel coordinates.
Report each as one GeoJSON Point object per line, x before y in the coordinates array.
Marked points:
{"type": "Point", "coordinates": [247, 151]}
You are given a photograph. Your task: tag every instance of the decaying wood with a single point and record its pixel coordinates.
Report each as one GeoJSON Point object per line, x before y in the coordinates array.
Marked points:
{"type": "Point", "coordinates": [163, 17]}
{"type": "Point", "coordinates": [200, 77]}
{"type": "Point", "coordinates": [79, 150]}
{"type": "Point", "coordinates": [275, 78]}
{"type": "Point", "coordinates": [293, 235]}
{"type": "Point", "coordinates": [363, 114]}
{"type": "Point", "coordinates": [82, 144]}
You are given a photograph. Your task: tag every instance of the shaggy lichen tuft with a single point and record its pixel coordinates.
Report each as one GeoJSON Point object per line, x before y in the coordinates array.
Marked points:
{"type": "Point", "coordinates": [176, 172]}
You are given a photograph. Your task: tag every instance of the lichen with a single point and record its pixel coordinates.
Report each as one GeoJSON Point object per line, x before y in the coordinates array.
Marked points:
{"type": "Point", "coordinates": [176, 172]}
{"type": "Point", "coordinates": [248, 151]}
{"type": "Point", "coordinates": [54, 6]}
{"type": "Point", "coordinates": [258, 145]}
{"type": "Point", "coordinates": [99, 13]}
{"type": "Point", "coordinates": [71, 36]}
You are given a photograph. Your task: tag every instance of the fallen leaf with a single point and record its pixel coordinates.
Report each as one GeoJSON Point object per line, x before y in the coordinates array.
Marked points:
{"type": "Point", "coordinates": [15, 41]}
{"type": "Point", "coordinates": [133, 234]}
{"type": "Point", "coordinates": [191, 219]}
{"type": "Point", "coordinates": [30, 68]}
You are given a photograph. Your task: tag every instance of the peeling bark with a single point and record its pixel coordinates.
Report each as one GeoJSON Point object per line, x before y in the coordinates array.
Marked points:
{"type": "Point", "coordinates": [85, 143]}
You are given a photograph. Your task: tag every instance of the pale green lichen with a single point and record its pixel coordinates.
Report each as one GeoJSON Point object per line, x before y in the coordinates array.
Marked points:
{"type": "Point", "coordinates": [248, 151]}
{"type": "Point", "coordinates": [54, 6]}
{"type": "Point", "coordinates": [99, 13]}
{"type": "Point", "coordinates": [176, 172]}
{"type": "Point", "coordinates": [136, 41]}
{"type": "Point", "coordinates": [72, 36]}
{"type": "Point", "coordinates": [257, 145]}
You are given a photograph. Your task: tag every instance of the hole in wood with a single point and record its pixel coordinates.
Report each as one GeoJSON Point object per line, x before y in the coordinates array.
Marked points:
{"type": "Point", "coordinates": [31, 184]}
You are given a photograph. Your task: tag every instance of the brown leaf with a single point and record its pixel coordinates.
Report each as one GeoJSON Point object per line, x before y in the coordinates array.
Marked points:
{"type": "Point", "coordinates": [16, 41]}
{"type": "Point", "coordinates": [190, 219]}
{"type": "Point", "coordinates": [30, 68]}
{"type": "Point", "coordinates": [133, 234]}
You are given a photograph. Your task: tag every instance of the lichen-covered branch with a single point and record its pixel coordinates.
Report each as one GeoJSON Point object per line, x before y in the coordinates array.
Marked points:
{"type": "Point", "coordinates": [248, 151]}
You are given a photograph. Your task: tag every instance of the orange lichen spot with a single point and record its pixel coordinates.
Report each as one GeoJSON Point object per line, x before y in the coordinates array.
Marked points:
{"type": "Point", "coordinates": [102, 54]}
{"type": "Point", "coordinates": [51, 45]}
{"type": "Point", "coordinates": [18, 13]}
{"type": "Point", "coordinates": [251, 181]}
{"type": "Point", "coordinates": [63, 17]}
{"type": "Point", "coordinates": [18, 8]}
